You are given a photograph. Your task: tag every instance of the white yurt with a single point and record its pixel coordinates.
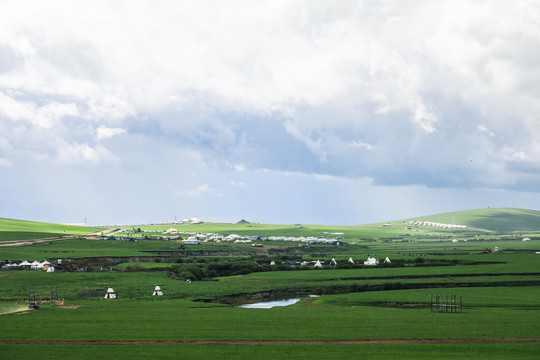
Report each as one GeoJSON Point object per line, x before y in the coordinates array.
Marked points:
{"type": "Point", "coordinates": [157, 291]}
{"type": "Point", "coordinates": [318, 264]}
{"type": "Point", "coordinates": [110, 294]}
{"type": "Point", "coordinates": [371, 261]}
{"type": "Point", "coordinates": [333, 262]}
{"type": "Point", "coordinates": [387, 260]}
{"type": "Point", "coordinates": [50, 269]}
{"type": "Point", "coordinates": [351, 260]}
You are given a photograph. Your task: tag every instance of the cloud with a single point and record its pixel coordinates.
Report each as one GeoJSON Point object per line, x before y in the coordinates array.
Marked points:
{"type": "Point", "coordinates": [5, 162]}
{"type": "Point", "coordinates": [398, 93]}
{"type": "Point", "coordinates": [237, 183]}
{"type": "Point", "coordinates": [82, 154]}
{"type": "Point", "coordinates": [203, 190]}
{"type": "Point", "coordinates": [106, 133]}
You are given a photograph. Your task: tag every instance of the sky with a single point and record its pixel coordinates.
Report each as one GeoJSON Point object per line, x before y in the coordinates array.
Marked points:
{"type": "Point", "coordinates": [312, 112]}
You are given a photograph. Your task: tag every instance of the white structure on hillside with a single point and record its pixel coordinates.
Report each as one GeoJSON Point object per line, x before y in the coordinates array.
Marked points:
{"type": "Point", "coordinates": [318, 264]}
{"type": "Point", "coordinates": [195, 220]}
{"type": "Point", "coordinates": [110, 294]}
{"type": "Point", "coordinates": [333, 262]}
{"type": "Point", "coordinates": [157, 291]}
{"type": "Point", "coordinates": [387, 260]}
{"type": "Point", "coordinates": [351, 260]}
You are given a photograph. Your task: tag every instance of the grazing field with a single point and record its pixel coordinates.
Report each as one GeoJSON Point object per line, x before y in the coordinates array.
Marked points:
{"type": "Point", "coordinates": [348, 310]}
{"type": "Point", "coordinates": [13, 230]}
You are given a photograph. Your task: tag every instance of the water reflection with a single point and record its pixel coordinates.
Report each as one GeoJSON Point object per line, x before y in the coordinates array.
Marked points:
{"type": "Point", "coordinates": [271, 304]}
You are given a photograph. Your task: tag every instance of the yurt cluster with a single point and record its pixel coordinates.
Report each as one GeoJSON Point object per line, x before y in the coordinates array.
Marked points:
{"type": "Point", "coordinates": [26, 265]}
{"type": "Point", "coordinates": [197, 238]}
{"type": "Point", "coordinates": [371, 261]}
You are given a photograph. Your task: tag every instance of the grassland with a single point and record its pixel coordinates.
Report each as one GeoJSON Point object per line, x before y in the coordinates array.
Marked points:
{"type": "Point", "coordinates": [377, 312]}
{"type": "Point", "coordinates": [13, 230]}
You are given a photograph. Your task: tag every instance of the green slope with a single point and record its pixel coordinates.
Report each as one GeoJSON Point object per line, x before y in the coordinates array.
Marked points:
{"type": "Point", "coordinates": [497, 219]}
{"type": "Point", "coordinates": [11, 229]}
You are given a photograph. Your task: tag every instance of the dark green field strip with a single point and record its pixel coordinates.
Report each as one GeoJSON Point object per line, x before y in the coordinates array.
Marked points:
{"type": "Point", "coordinates": [10, 236]}
{"type": "Point", "coordinates": [435, 276]}
{"type": "Point", "coordinates": [270, 342]}
{"type": "Point", "coordinates": [352, 288]}
{"type": "Point", "coordinates": [424, 351]}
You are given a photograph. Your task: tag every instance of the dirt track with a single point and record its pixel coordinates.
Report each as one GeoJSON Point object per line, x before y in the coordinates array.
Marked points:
{"type": "Point", "coordinates": [268, 342]}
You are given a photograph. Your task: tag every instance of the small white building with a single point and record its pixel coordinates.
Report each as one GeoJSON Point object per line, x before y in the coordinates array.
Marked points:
{"type": "Point", "coordinates": [318, 264]}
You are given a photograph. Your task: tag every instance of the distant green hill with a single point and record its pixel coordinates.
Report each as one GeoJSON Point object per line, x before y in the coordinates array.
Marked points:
{"type": "Point", "coordinates": [11, 229]}
{"type": "Point", "coordinates": [498, 219]}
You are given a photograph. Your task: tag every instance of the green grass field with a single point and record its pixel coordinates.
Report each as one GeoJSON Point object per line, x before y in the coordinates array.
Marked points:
{"type": "Point", "coordinates": [372, 312]}
{"type": "Point", "coordinates": [11, 230]}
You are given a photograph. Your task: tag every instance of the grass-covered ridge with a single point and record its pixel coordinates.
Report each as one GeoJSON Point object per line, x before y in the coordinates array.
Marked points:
{"type": "Point", "coordinates": [12, 229]}
{"type": "Point", "coordinates": [492, 219]}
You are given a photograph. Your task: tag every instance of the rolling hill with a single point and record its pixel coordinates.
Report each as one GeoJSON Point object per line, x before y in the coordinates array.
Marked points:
{"type": "Point", "coordinates": [11, 229]}
{"type": "Point", "coordinates": [491, 219]}
{"type": "Point", "coordinates": [496, 220]}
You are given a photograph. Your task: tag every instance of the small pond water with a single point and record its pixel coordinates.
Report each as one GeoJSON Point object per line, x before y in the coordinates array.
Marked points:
{"type": "Point", "coordinates": [271, 304]}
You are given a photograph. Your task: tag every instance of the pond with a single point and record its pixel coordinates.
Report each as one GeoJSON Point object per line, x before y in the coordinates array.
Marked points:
{"type": "Point", "coordinates": [271, 304]}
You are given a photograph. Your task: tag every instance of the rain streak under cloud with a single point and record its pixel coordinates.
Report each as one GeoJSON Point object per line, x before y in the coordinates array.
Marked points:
{"type": "Point", "coordinates": [280, 111]}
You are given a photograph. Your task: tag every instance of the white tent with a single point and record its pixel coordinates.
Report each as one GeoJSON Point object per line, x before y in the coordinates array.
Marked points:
{"type": "Point", "coordinates": [157, 291]}
{"type": "Point", "coordinates": [272, 262]}
{"type": "Point", "coordinates": [318, 264]}
{"type": "Point", "coordinates": [50, 269]}
{"type": "Point", "coordinates": [371, 261]}
{"type": "Point", "coordinates": [526, 239]}
{"type": "Point", "coordinates": [195, 220]}
{"type": "Point", "coordinates": [172, 231]}
{"type": "Point", "coordinates": [387, 260]}
{"type": "Point", "coordinates": [351, 260]}
{"type": "Point", "coordinates": [333, 262]}
{"type": "Point", "coordinates": [110, 294]}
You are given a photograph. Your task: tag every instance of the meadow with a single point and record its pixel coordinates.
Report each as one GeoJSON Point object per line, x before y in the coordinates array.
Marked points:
{"type": "Point", "coordinates": [380, 312]}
